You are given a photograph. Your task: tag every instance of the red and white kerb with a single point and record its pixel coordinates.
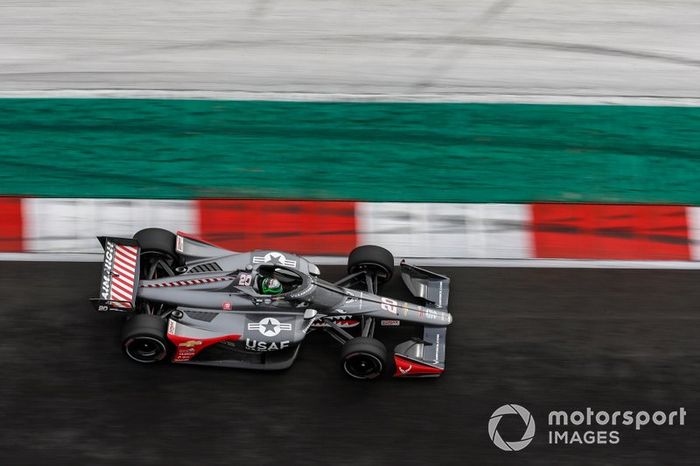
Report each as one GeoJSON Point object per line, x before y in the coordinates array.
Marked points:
{"type": "Point", "coordinates": [123, 275]}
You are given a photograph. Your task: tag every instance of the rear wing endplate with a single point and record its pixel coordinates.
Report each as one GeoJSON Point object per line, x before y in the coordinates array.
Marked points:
{"type": "Point", "coordinates": [120, 275]}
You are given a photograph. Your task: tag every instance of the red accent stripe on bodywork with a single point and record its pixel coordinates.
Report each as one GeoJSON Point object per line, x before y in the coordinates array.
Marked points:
{"type": "Point", "coordinates": [622, 232]}
{"type": "Point", "coordinates": [409, 368]}
{"type": "Point", "coordinates": [188, 347]}
{"type": "Point", "coordinates": [11, 228]}
{"type": "Point", "coordinates": [197, 281]}
{"type": "Point", "coordinates": [304, 227]}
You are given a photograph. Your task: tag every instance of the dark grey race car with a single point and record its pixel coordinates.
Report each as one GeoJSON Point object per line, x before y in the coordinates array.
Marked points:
{"type": "Point", "coordinates": [200, 304]}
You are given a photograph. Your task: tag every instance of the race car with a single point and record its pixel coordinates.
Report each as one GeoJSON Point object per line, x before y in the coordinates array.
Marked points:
{"type": "Point", "coordinates": [193, 302]}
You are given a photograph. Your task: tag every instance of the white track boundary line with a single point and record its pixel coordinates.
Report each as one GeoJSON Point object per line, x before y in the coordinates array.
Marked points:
{"type": "Point", "coordinates": [420, 261]}
{"type": "Point", "coordinates": [673, 101]}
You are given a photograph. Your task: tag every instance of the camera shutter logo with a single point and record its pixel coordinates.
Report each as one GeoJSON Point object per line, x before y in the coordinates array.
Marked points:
{"type": "Point", "coordinates": [506, 410]}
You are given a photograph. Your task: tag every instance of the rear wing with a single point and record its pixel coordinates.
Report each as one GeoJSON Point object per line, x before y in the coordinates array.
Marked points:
{"type": "Point", "coordinates": [424, 357]}
{"type": "Point", "coordinates": [120, 275]}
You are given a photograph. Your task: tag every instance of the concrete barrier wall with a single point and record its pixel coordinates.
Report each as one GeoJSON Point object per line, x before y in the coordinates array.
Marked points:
{"type": "Point", "coordinates": [404, 152]}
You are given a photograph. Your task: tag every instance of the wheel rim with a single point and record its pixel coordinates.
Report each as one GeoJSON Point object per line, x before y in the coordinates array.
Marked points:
{"type": "Point", "coordinates": [153, 265]}
{"type": "Point", "coordinates": [145, 349]}
{"type": "Point", "coordinates": [363, 365]}
{"type": "Point", "coordinates": [381, 271]}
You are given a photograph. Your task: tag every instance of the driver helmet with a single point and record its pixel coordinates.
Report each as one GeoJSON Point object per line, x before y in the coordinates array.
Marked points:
{"type": "Point", "coordinates": [271, 286]}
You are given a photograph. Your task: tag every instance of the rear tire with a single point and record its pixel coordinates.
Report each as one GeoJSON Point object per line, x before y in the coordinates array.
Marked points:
{"type": "Point", "coordinates": [144, 340]}
{"type": "Point", "coordinates": [157, 245]}
{"type": "Point", "coordinates": [156, 240]}
{"type": "Point", "coordinates": [375, 259]}
{"type": "Point", "coordinates": [363, 358]}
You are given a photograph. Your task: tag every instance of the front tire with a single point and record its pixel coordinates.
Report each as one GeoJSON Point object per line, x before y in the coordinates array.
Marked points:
{"type": "Point", "coordinates": [143, 339]}
{"type": "Point", "coordinates": [374, 259]}
{"type": "Point", "coordinates": [364, 358]}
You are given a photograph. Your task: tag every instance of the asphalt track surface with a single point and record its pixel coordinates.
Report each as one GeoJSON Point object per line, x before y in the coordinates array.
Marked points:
{"type": "Point", "coordinates": [546, 339]}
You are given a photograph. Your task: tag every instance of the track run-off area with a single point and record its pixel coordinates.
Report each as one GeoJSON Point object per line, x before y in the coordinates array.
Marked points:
{"type": "Point", "coordinates": [503, 50]}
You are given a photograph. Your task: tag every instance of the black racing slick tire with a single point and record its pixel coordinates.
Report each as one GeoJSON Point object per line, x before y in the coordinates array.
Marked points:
{"type": "Point", "coordinates": [144, 340]}
{"type": "Point", "coordinates": [363, 358]}
{"type": "Point", "coordinates": [156, 240]}
{"type": "Point", "coordinates": [372, 258]}
{"type": "Point", "coordinates": [158, 256]}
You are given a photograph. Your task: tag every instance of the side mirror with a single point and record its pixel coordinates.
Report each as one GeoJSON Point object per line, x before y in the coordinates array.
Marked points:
{"type": "Point", "coordinates": [314, 270]}
{"type": "Point", "coordinates": [310, 314]}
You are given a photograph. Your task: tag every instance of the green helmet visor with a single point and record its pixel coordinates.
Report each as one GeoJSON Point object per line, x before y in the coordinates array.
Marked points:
{"type": "Point", "coordinates": [271, 286]}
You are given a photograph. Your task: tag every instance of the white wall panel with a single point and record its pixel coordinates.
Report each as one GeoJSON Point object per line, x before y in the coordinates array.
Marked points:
{"type": "Point", "coordinates": [447, 230]}
{"type": "Point", "coordinates": [693, 218]}
{"type": "Point", "coordinates": [70, 225]}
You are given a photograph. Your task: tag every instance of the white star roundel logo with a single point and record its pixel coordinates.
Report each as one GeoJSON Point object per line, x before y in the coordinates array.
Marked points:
{"type": "Point", "coordinates": [269, 326]}
{"type": "Point", "coordinates": [274, 257]}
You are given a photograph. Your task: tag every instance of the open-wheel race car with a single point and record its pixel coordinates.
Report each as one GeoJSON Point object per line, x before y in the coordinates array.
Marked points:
{"type": "Point", "coordinates": [195, 303]}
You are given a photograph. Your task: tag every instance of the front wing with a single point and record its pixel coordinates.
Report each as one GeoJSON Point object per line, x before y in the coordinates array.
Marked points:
{"type": "Point", "coordinates": [424, 357]}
